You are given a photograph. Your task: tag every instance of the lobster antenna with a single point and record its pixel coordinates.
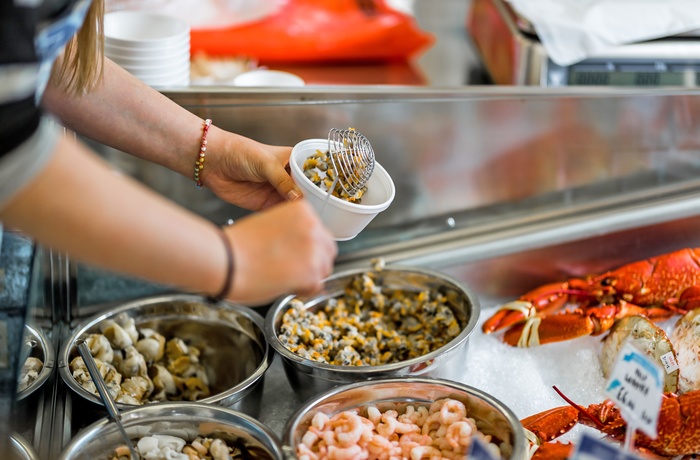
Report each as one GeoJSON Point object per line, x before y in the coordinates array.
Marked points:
{"type": "Point", "coordinates": [581, 410]}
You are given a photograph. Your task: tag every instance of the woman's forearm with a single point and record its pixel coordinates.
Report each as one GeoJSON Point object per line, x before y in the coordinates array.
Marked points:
{"type": "Point", "coordinates": [124, 113]}
{"type": "Point", "coordinates": [77, 204]}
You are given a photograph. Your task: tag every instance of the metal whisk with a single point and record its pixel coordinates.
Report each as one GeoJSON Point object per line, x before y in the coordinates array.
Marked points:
{"type": "Point", "coordinates": [352, 158]}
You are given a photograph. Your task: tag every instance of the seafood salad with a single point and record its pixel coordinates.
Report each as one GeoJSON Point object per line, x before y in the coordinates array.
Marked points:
{"type": "Point", "coordinates": [319, 169]}
{"type": "Point", "coordinates": [370, 325]}
{"type": "Point", "coordinates": [141, 365]}
{"type": "Point", "coordinates": [441, 430]}
{"type": "Point", "coordinates": [166, 447]}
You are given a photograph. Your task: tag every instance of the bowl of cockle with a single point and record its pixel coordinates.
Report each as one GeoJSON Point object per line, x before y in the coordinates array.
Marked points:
{"type": "Point", "coordinates": [409, 417]}
{"type": "Point", "coordinates": [389, 321]}
{"type": "Point", "coordinates": [177, 431]}
{"type": "Point", "coordinates": [344, 214]}
{"type": "Point", "coordinates": [177, 347]}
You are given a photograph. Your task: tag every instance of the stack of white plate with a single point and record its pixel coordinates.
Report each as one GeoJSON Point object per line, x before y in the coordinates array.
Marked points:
{"type": "Point", "coordinates": [153, 47]}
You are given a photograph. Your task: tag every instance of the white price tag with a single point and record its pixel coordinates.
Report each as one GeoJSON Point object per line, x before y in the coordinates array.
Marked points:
{"type": "Point", "coordinates": [636, 385]}
{"type": "Point", "coordinates": [669, 362]}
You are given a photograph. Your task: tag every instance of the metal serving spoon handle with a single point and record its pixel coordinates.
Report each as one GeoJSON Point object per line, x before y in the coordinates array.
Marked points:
{"type": "Point", "coordinates": [104, 394]}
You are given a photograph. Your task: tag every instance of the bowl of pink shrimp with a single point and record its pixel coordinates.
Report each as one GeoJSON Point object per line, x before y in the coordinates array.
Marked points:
{"type": "Point", "coordinates": [408, 418]}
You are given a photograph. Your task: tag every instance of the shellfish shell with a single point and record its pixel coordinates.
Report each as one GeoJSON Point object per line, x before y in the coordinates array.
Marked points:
{"type": "Point", "coordinates": [646, 336]}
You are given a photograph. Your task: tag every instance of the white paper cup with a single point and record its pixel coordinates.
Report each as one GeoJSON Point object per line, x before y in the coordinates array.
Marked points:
{"type": "Point", "coordinates": [144, 30]}
{"type": "Point", "coordinates": [344, 219]}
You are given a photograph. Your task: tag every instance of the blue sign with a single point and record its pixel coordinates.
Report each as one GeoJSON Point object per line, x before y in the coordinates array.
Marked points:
{"type": "Point", "coordinates": [591, 448]}
{"type": "Point", "coordinates": [479, 451]}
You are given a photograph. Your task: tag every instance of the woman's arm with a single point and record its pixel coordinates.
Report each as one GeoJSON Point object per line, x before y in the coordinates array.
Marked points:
{"type": "Point", "coordinates": [77, 204]}
{"type": "Point", "coordinates": [126, 114]}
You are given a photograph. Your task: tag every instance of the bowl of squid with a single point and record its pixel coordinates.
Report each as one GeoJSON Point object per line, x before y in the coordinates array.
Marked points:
{"type": "Point", "coordinates": [177, 431]}
{"type": "Point", "coordinates": [172, 348]}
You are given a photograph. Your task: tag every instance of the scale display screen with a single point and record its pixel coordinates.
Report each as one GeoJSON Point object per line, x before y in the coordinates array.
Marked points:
{"type": "Point", "coordinates": [588, 78]}
{"type": "Point", "coordinates": [626, 73]}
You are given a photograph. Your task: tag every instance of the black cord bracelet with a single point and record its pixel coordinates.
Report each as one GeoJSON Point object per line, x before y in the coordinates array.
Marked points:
{"type": "Point", "coordinates": [229, 268]}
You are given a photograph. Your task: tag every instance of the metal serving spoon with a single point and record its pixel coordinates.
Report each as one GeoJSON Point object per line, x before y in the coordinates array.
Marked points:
{"type": "Point", "coordinates": [104, 394]}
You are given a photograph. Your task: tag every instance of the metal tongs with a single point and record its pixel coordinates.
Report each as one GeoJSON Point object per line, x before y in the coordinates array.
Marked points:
{"type": "Point", "coordinates": [101, 386]}
{"type": "Point", "coordinates": [352, 158]}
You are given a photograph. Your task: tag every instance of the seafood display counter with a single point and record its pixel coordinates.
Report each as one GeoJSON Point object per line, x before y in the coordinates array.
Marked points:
{"type": "Point", "coordinates": [500, 189]}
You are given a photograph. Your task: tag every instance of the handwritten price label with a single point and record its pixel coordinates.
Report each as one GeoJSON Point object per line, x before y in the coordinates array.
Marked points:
{"type": "Point", "coordinates": [636, 386]}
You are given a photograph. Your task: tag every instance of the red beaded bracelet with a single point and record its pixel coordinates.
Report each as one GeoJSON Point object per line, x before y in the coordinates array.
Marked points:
{"type": "Point", "coordinates": [199, 162]}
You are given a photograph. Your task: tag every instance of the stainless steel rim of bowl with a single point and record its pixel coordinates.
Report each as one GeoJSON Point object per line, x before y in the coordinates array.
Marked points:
{"type": "Point", "coordinates": [242, 387]}
{"type": "Point", "coordinates": [519, 442]}
{"type": "Point", "coordinates": [159, 415]}
{"type": "Point", "coordinates": [275, 311]}
{"type": "Point", "coordinates": [22, 448]}
{"type": "Point", "coordinates": [49, 358]}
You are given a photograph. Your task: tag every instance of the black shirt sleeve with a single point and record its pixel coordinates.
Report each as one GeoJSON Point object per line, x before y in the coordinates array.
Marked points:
{"type": "Point", "coordinates": [19, 112]}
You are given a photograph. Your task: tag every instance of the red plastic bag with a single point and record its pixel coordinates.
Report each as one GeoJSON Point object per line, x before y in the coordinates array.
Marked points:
{"type": "Point", "coordinates": [316, 31]}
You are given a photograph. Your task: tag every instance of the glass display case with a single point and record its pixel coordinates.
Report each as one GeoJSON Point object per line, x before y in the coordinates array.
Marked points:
{"type": "Point", "coordinates": [503, 189]}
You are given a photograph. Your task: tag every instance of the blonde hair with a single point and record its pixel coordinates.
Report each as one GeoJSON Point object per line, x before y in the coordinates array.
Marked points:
{"type": "Point", "coordinates": [80, 67]}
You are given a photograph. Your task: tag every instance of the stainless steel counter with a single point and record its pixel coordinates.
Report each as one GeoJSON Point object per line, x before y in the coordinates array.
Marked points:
{"type": "Point", "coordinates": [502, 188]}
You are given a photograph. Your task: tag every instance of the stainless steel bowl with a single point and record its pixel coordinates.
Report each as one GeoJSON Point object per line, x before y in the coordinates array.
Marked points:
{"type": "Point", "coordinates": [492, 417]}
{"type": "Point", "coordinates": [37, 345]}
{"type": "Point", "coordinates": [21, 449]}
{"type": "Point", "coordinates": [309, 378]}
{"type": "Point", "coordinates": [185, 420]}
{"type": "Point", "coordinates": [231, 337]}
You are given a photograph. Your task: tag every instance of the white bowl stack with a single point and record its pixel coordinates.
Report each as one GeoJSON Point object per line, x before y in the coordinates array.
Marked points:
{"type": "Point", "coordinates": [153, 47]}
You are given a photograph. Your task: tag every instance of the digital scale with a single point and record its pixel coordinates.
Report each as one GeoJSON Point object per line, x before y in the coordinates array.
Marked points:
{"type": "Point", "coordinates": [513, 55]}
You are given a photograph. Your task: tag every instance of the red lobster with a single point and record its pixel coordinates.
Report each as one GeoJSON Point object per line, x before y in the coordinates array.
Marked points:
{"type": "Point", "coordinates": [656, 288]}
{"type": "Point", "coordinates": [678, 427]}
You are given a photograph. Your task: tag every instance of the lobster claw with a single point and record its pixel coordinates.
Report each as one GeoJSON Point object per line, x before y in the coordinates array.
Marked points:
{"type": "Point", "coordinates": [552, 423]}
{"type": "Point", "coordinates": [576, 323]}
{"type": "Point", "coordinates": [546, 426]}
{"type": "Point", "coordinates": [544, 299]}
{"type": "Point", "coordinates": [553, 451]}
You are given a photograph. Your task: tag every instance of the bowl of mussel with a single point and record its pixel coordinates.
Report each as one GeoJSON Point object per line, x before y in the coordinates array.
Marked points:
{"type": "Point", "coordinates": [405, 418]}
{"type": "Point", "coordinates": [172, 348]}
{"type": "Point", "coordinates": [38, 361]}
{"type": "Point", "coordinates": [177, 430]}
{"type": "Point", "coordinates": [385, 322]}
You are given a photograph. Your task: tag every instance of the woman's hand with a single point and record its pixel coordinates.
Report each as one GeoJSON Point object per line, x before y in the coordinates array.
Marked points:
{"type": "Point", "coordinates": [283, 250]}
{"type": "Point", "coordinates": [247, 173]}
